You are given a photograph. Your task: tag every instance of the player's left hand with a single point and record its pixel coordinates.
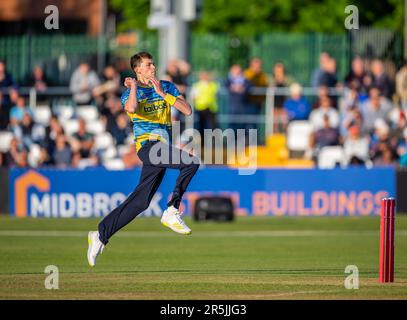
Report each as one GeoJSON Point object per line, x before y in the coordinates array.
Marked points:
{"type": "Point", "coordinates": [157, 86]}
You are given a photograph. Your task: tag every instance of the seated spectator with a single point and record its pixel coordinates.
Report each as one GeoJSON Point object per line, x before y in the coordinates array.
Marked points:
{"type": "Point", "coordinates": [317, 116]}
{"type": "Point", "coordinates": [4, 113]}
{"type": "Point", "coordinates": [82, 144]}
{"type": "Point", "coordinates": [82, 83]}
{"type": "Point", "coordinates": [382, 152]}
{"type": "Point", "coordinates": [110, 85]}
{"type": "Point", "coordinates": [380, 79]}
{"type": "Point", "coordinates": [238, 87]}
{"type": "Point", "coordinates": [122, 129]}
{"type": "Point", "coordinates": [51, 132]}
{"type": "Point", "coordinates": [13, 96]}
{"type": "Point", "coordinates": [18, 111]}
{"type": "Point", "coordinates": [356, 146]}
{"type": "Point", "coordinates": [352, 116]}
{"type": "Point", "coordinates": [397, 130]}
{"type": "Point", "coordinates": [16, 156]}
{"type": "Point", "coordinates": [204, 97]}
{"type": "Point", "coordinates": [62, 153]}
{"type": "Point", "coordinates": [296, 107]}
{"type": "Point", "coordinates": [376, 107]}
{"type": "Point", "coordinates": [323, 91]}
{"type": "Point", "coordinates": [324, 136]}
{"type": "Point", "coordinates": [351, 97]}
{"type": "Point", "coordinates": [39, 81]}
{"type": "Point", "coordinates": [111, 108]}
{"type": "Point", "coordinates": [29, 132]}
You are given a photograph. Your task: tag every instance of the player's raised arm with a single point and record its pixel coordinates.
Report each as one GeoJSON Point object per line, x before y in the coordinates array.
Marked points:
{"type": "Point", "coordinates": [131, 103]}
{"type": "Point", "coordinates": [178, 102]}
{"type": "Point", "coordinates": [182, 105]}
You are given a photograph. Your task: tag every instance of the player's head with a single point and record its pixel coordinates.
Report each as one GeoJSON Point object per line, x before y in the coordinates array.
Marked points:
{"type": "Point", "coordinates": [143, 65]}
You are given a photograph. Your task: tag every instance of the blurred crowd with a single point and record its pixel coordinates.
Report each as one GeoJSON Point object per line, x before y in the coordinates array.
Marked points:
{"type": "Point", "coordinates": [367, 119]}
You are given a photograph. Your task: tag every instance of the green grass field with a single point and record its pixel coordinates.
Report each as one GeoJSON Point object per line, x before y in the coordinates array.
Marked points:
{"type": "Point", "coordinates": [251, 258]}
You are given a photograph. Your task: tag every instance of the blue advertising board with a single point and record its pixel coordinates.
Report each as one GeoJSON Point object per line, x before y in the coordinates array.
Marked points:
{"type": "Point", "coordinates": [274, 192]}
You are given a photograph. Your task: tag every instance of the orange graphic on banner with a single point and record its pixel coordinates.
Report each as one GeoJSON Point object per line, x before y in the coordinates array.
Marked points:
{"type": "Point", "coordinates": [21, 186]}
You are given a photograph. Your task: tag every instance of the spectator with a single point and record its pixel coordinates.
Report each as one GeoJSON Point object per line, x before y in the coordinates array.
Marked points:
{"type": "Point", "coordinates": [82, 83]}
{"type": "Point", "coordinates": [18, 111]}
{"type": "Point", "coordinates": [121, 131]}
{"type": "Point", "coordinates": [177, 72]}
{"type": "Point", "coordinates": [318, 74]}
{"type": "Point", "coordinates": [29, 132]}
{"type": "Point", "coordinates": [324, 136]}
{"type": "Point", "coordinates": [382, 152]}
{"type": "Point", "coordinates": [351, 97]}
{"type": "Point", "coordinates": [376, 107]}
{"type": "Point", "coordinates": [296, 107]}
{"type": "Point", "coordinates": [39, 81]}
{"type": "Point", "coordinates": [6, 80]}
{"type": "Point", "coordinates": [351, 117]}
{"type": "Point", "coordinates": [110, 85]}
{"type": "Point", "coordinates": [280, 80]}
{"type": "Point", "coordinates": [204, 97]}
{"type": "Point", "coordinates": [401, 85]}
{"type": "Point", "coordinates": [356, 146]}
{"type": "Point", "coordinates": [111, 109]}
{"type": "Point", "coordinates": [397, 131]}
{"type": "Point", "coordinates": [13, 96]}
{"type": "Point", "coordinates": [381, 80]}
{"type": "Point", "coordinates": [4, 113]}
{"type": "Point", "coordinates": [62, 153]}
{"type": "Point", "coordinates": [317, 116]}
{"type": "Point", "coordinates": [323, 91]}
{"type": "Point", "coordinates": [358, 78]}
{"type": "Point", "coordinates": [328, 77]}
{"type": "Point", "coordinates": [16, 156]}
{"type": "Point", "coordinates": [51, 132]}
{"type": "Point", "coordinates": [238, 87]}
{"type": "Point", "coordinates": [258, 79]}
{"type": "Point", "coordinates": [82, 145]}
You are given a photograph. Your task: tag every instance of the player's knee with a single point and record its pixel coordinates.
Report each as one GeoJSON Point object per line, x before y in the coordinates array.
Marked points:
{"type": "Point", "coordinates": [144, 205]}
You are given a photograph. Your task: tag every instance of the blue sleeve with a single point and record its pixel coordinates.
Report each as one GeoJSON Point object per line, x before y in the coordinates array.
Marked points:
{"type": "Point", "coordinates": [125, 97]}
{"type": "Point", "coordinates": [172, 89]}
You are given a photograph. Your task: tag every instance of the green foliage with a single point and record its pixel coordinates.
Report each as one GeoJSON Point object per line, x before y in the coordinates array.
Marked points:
{"type": "Point", "coordinates": [248, 17]}
{"type": "Point", "coordinates": [133, 13]}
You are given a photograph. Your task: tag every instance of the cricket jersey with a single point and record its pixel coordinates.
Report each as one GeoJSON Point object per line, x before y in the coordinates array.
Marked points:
{"type": "Point", "coordinates": [152, 119]}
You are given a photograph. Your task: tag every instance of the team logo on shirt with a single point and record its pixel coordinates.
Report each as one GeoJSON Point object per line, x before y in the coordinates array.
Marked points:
{"type": "Point", "coordinates": [155, 107]}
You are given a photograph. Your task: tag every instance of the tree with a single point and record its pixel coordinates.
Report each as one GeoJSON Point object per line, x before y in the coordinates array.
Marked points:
{"type": "Point", "coordinates": [249, 17]}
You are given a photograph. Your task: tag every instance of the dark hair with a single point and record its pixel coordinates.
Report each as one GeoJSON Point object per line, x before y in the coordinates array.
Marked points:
{"type": "Point", "coordinates": [138, 57]}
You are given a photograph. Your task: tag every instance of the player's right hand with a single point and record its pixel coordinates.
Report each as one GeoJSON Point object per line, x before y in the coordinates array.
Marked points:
{"type": "Point", "coordinates": [128, 82]}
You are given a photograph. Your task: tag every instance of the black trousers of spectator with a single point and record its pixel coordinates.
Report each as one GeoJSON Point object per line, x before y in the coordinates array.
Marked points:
{"type": "Point", "coordinates": [151, 177]}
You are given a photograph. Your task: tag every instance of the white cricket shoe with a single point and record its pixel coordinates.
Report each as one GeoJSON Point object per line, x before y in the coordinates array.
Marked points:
{"type": "Point", "coordinates": [171, 218]}
{"type": "Point", "coordinates": [95, 247]}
